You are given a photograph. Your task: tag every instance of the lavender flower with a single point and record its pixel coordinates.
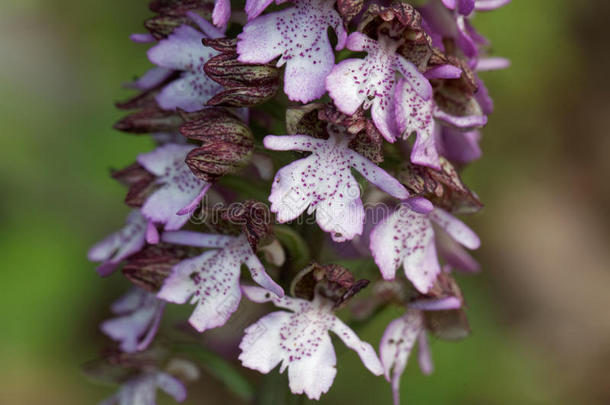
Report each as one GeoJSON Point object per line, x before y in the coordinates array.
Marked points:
{"type": "Point", "coordinates": [298, 35]}
{"type": "Point", "coordinates": [142, 390]}
{"type": "Point", "coordinates": [212, 279]}
{"type": "Point", "coordinates": [139, 314]}
{"type": "Point", "coordinates": [323, 183]}
{"type": "Point", "coordinates": [300, 342]}
{"type": "Point", "coordinates": [210, 102]}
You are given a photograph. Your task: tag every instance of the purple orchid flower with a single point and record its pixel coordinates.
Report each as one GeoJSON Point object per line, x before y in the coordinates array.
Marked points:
{"type": "Point", "coordinates": [370, 81]}
{"type": "Point", "coordinates": [180, 190]}
{"type": "Point", "coordinates": [299, 36]}
{"type": "Point", "coordinates": [323, 182]}
{"type": "Point", "coordinates": [415, 114]}
{"type": "Point", "coordinates": [211, 279]}
{"type": "Point", "coordinates": [139, 315]}
{"type": "Point", "coordinates": [183, 51]}
{"type": "Point", "coordinates": [120, 245]}
{"type": "Point", "coordinates": [300, 341]}
{"type": "Point", "coordinates": [142, 390]}
{"type": "Point", "coordinates": [400, 337]}
{"type": "Point", "coordinates": [407, 237]}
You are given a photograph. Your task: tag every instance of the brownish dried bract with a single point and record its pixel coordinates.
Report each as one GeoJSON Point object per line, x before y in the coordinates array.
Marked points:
{"type": "Point", "coordinates": [445, 287]}
{"type": "Point", "coordinates": [140, 184]}
{"type": "Point", "coordinates": [254, 220]}
{"type": "Point", "coordinates": [332, 281]}
{"type": "Point", "coordinates": [150, 120]}
{"type": "Point", "coordinates": [149, 267]}
{"type": "Point", "coordinates": [304, 120]}
{"type": "Point", "coordinates": [227, 143]}
{"type": "Point", "coordinates": [245, 85]}
{"type": "Point", "coordinates": [348, 9]}
{"type": "Point", "coordinates": [443, 187]}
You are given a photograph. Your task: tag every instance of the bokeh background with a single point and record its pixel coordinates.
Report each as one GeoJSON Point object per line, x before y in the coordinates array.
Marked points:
{"type": "Point", "coordinates": [539, 311]}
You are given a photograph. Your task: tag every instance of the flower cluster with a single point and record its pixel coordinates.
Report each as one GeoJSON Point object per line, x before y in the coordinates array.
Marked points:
{"type": "Point", "coordinates": [212, 104]}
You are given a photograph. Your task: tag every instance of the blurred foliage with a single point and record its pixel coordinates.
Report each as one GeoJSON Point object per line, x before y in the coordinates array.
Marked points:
{"type": "Point", "coordinates": [63, 66]}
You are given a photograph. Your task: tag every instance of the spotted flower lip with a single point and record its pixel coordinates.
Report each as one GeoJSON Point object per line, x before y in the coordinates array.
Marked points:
{"type": "Point", "coordinates": [370, 82]}
{"type": "Point", "coordinates": [300, 341]}
{"type": "Point", "coordinates": [323, 183]}
{"type": "Point", "coordinates": [408, 238]}
{"type": "Point", "coordinates": [138, 316]}
{"type": "Point", "coordinates": [402, 334]}
{"type": "Point", "coordinates": [142, 389]}
{"type": "Point", "coordinates": [298, 35]}
{"type": "Point", "coordinates": [183, 51]}
{"type": "Point", "coordinates": [179, 192]}
{"type": "Point", "coordinates": [120, 245]}
{"type": "Point", "coordinates": [211, 279]}
{"type": "Point", "coordinates": [416, 114]}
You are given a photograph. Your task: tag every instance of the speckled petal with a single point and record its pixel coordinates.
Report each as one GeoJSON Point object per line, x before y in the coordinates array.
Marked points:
{"type": "Point", "coordinates": [456, 228]}
{"type": "Point", "coordinates": [406, 237]}
{"type": "Point", "coordinates": [260, 276]}
{"type": "Point", "coordinates": [396, 345]}
{"type": "Point", "coordinates": [259, 346]}
{"type": "Point", "coordinates": [313, 374]}
{"type": "Point", "coordinates": [182, 50]}
{"type": "Point", "coordinates": [120, 245]}
{"type": "Point", "coordinates": [190, 92]}
{"type": "Point", "coordinates": [365, 350]}
{"type": "Point", "coordinates": [414, 114]}
{"type": "Point", "coordinates": [212, 280]}
{"type": "Point", "coordinates": [299, 35]}
{"type": "Point", "coordinates": [178, 185]}
{"type": "Point", "coordinates": [377, 175]}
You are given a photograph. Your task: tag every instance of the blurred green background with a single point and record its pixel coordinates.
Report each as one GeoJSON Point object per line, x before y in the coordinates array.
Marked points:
{"type": "Point", "coordinates": [539, 311]}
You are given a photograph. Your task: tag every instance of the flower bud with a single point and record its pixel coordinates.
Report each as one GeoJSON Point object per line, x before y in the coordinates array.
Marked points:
{"type": "Point", "coordinates": [227, 144]}
{"type": "Point", "coordinates": [246, 85]}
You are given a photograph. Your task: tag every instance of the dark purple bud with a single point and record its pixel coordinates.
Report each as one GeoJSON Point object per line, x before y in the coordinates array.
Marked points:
{"type": "Point", "coordinates": [246, 85]}
{"type": "Point", "coordinates": [227, 143]}
{"type": "Point", "coordinates": [254, 220]}
{"type": "Point", "coordinates": [150, 120]}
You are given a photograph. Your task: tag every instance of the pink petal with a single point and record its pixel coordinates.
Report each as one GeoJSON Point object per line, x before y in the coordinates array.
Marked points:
{"type": "Point", "coordinates": [221, 13]}
{"type": "Point", "coordinates": [255, 7]}
{"type": "Point", "coordinates": [486, 5]}
{"type": "Point", "coordinates": [456, 228]}
{"type": "Point", "coordinates": [377, 176]}
{"type": "Point", "coordinates": [443, 72]}
{"type": "Point", "coordinates": [182, 50]}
